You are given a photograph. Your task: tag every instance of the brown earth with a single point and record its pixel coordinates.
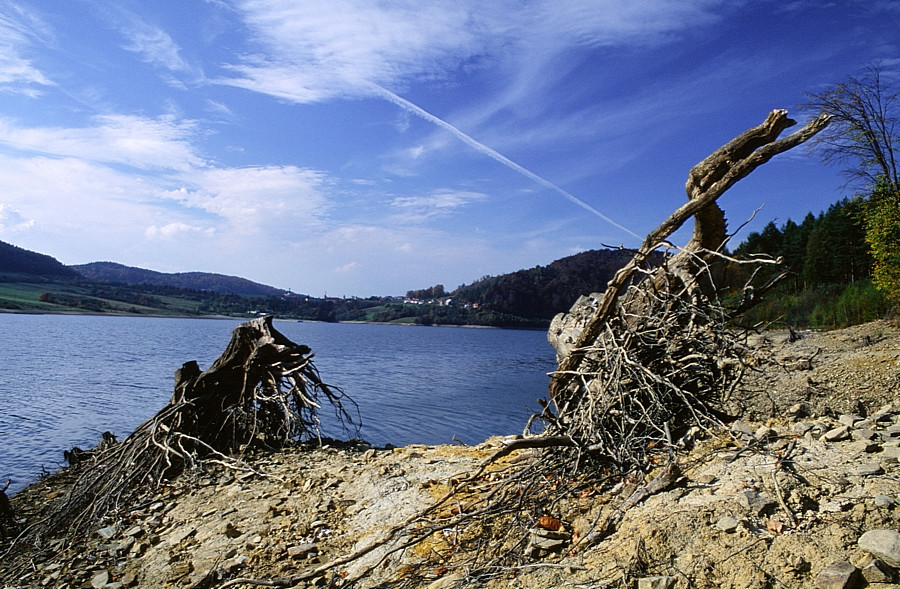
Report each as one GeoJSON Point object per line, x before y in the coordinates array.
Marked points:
{"type": "Point", "coordinates": [771, 503]}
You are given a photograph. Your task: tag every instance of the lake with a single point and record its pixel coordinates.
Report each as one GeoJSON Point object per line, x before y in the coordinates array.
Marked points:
{"type": "Point", "coordinates": [65, 379]}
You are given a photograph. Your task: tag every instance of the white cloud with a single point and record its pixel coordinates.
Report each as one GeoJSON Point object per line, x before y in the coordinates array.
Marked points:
{"type": "Point", "coordinates": [173, 230]}
{"type": "Point", "coordinates": [11, 221]}
{"type": "Point", "coordinates": [155, 46]}
{"type": "Point", "coordinates": [19, 29]}
{"type": "Point", "coordinates": [311, 50]}
{"type": "Point", "coordinates": [438, 203]}
{"type": "Point", "coordinates": [125, 139]}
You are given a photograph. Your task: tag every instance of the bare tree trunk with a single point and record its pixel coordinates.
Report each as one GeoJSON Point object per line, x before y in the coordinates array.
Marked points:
{"type": "Point", "coordinates": [707, 181]}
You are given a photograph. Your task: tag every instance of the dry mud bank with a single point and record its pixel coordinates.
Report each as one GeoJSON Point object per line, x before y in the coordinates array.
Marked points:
{"type": "Point", "coordinates": [803, 491]}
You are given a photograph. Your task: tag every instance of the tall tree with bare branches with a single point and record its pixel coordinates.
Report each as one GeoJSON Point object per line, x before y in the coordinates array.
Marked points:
{"type": "Point", "coordinates": [864, 135]}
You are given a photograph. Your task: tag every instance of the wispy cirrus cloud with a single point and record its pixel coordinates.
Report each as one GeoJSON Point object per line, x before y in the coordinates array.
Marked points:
{"type": "Point", "coordinates": [19, 29]}
{"type": "Point", "coordinates": [438, 203]}
{"type": "Point", "coordinates": [141, 142]}
{"type": "Point", "coordinates": [311, 51]}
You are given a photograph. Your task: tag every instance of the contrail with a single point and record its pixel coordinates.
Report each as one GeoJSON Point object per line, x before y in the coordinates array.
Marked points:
{"type": "Point", "coordinates": [420, 112]}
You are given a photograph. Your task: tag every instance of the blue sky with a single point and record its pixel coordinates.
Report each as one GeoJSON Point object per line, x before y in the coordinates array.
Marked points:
{"type": "Point", "coordinates": [368, 148]}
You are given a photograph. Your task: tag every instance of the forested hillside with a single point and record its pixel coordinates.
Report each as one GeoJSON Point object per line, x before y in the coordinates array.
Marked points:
{"type": "Point", "coordinates": [112, 272]}
{"type": "Point", "coordinates": [543, 291]}
{"type": "Point", "coordinates": [16, 260]}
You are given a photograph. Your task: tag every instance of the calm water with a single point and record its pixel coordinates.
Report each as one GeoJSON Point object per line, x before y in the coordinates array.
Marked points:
{"type": "Point", "coordinates": [66, 379]}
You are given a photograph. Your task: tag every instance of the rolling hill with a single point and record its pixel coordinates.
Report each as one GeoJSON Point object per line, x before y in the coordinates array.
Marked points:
{"type": "Point", "coordinates": [221, 283]}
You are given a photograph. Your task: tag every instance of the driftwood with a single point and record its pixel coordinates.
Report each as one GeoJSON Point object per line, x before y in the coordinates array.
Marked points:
{"type": "Point", "coordinates": [653, 355]}
{"type": "Point", "coordinates": [263, 390]}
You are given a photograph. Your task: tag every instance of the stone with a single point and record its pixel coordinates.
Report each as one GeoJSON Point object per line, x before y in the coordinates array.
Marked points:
{"type": "Point", "coordinates": [134, 531]}
{"type": "Point", "coordinates": [301, 550]}
{"type": "Point", "coordinates": [663, 582]}
{"type": "Point", "coordinates": [764, 433]}
{"type": "Point", "coordinates": [128, 580]}
{"type": "Point", "coordinates": [100, 579]}
{"type": "Point", "coordinates": [801, 427]}
{"type": "Point", "coordinates": [837, 434]}
{"type": "Point", "coordinates": [742, 427]}
{"type": "Point", "coordinates": [867, 470]}
{"type": "Point", "coordinates": [877, 572]}
{"type": "Point", "coordinates": [728, 524]}
{"type": "Point", "coordinates": [885, 501]}
{"type": "Point", "coordinates": [107, 533]}
{"type": "Point", "coordinates": [890, 455]}
{"type": "Point", "coordinates": [849, 420]}
{"type": "Point", "coordinates": [757, 504]}
{"type": "Point", "coordinates": [883, 545]}
{"type": "Point", "coordinates": [865, 447]}
{"type": "Point", "coordinates": [865, 434]}
{"type": "Point", "coordinates": [840, 575]}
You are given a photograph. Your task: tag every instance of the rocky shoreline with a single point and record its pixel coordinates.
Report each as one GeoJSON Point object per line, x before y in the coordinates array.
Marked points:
{"type": "Point", "coordinates": [803, 491]}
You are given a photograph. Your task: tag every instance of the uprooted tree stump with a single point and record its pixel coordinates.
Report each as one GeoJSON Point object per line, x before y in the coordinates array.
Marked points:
{"type": "Point", "coordinates": [263, 390]}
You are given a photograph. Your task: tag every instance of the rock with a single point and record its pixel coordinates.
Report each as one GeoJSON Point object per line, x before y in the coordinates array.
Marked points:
{"type": "Point", "coordinates": [801, 427]}
{"type": "Point", "coordinates": [728, 524]}
{"type": "Point", "coordinates": [890, 455]}
{"type": "Point", "coordinates": [764, 433]}
{"type": "Point", "coordinates": [892, 431]}
{"type": "Point", "coordinates": [656, 583]}
{"type": "Point", "coordinates": [882, 544]}
{"type": "Point", "coordinates": [134, 531]}
{"type": "Point", "coordinates": [100, 579]}
{"type": "Point", "coordinates": [865, 447]}
{"type": "Point", "coordinates": [128, 580]}
{"type": "Point", "coordinates": [840, 575]}
{"type": "Point", "coordinates": [849, 420]}
{"type": "Point", "coordinates": [107, 533]}
{"type": "Point", "coordinates": [885, 501]}
{"type": "Point", "coordinates": [757, 504]}
{"type": "Point", "coordinates": [865, 434]}
{"type": "Point", "coordinates": [877, 572]}
{"type": "Point", "coordinates": [837, 434]}
{"type": "Point", "coordinates": [867, 470]}
{"type": "Point", "coordinates": [301, 550]}
{"type": "Point", "coordinates": [742, 427]}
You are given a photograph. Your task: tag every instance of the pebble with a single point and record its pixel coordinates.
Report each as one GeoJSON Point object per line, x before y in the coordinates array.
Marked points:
{"type": "Point", "coordinates": [107, 533]}
{"type": "Point", "coordinates": [301, 550]}
{"type": "Point", "coordinates": [849, 420]}
{"type": "Point", "coordinates": [837, 434]}
{"type": "Point", "coordinates": [756, 503]}
{"type": "Point", "coordinates": [882, 544]}
{"type": "Point", "coordinates": [840, 575]}
{"type": "Point", "coordinates": [885, 501]}
{"type": "Point", "coordinates": [866, 470]}
{"type": "Point", "coordinates": [877, 572]}
{"type": "Point", "coordinates": [728, 524]}
{"type": "Point", "coordinates": [100, 579]}
{"type": "Point", "coordinates": [656, 583]}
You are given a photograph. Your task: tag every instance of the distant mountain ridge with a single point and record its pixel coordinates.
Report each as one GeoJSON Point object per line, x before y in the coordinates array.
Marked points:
{"type": "Point", "coordinates": [113, 272]}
